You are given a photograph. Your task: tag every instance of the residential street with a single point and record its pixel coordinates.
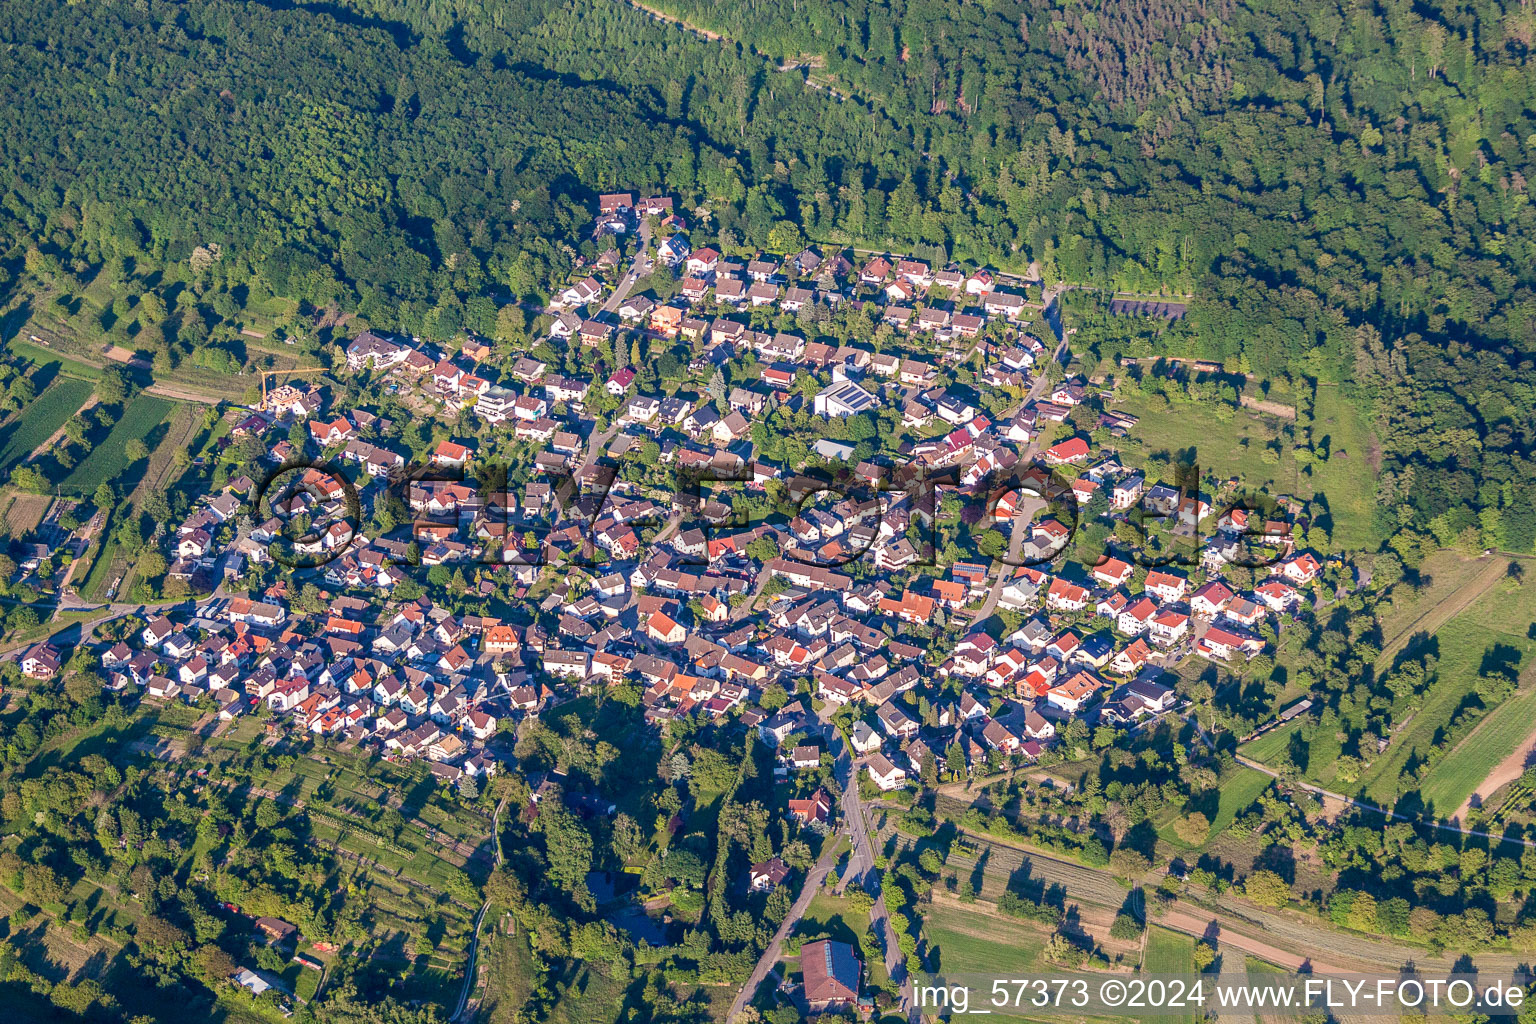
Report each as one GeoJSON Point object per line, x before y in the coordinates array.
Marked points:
{"type": "Point", "coordinates": [814, 880]}
{"type": "Point", "coordinates": [861, 864]}
{"type": "Point", "coordinates": [640, 267]}
{"type": "Point", "coordinates": [1025, 510]}
{"type": "Point", "coordinates": [861, 868]}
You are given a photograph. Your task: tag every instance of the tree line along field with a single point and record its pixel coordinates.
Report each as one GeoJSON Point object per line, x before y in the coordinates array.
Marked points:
{"type": "Point", "coordinates": [1492, 633]}
{"type": "Point", "coordinates": [1409, 612]}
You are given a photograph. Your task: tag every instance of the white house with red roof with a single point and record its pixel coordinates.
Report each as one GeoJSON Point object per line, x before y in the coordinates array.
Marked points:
{"type": "Point", "coordinates": [1302, 569]}
{"type": "Point", "coordinates": [620, 381]}
{"type": "Point", "coordinates": [1222, 644]}
{"type": "Point", "coordinates": [1277, 596]}
{"type": "Point", "coordinates": [1167, 587]}
{"type": "Point", "coordinates": [1113, 572]}
{"type": "Point", "coordinates": [451, 454]}
{"type": "Point", "coordinates": [1169, 627]}
{"type": "Point", "coordinates": [1073, 449]}
{"type": "Point", "coordinates": [1137, 617]}
{"type": "Point", "coordinates": [1210, 600]}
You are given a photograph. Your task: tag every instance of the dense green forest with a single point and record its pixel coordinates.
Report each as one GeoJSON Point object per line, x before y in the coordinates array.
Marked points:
{"type": "Point", "coordinates": [1343, 188]}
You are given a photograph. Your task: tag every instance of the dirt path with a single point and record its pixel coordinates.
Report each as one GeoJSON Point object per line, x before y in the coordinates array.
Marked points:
{"type": "Point", "coordinates": [1206, 925]}
{"type": "Point", "coordinates": [1445, 611]}
{"type": "Point", "coordinates": [702, 33]}
{"type": "Point", "coordinates": [1505, 772]}
{"type": "Point", "coordinates": [182, 394]}
{"type": "Point", "coordinates": [1282, 937]}
{"type": "Point", "coordinates": [1344, 801]}
{"type": "Point", "coordinates": [53, 438]}
{"type": "Point", "coordinates": [812, 885]}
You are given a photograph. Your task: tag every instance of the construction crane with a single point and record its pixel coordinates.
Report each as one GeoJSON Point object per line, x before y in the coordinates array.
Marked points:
{"type": "Point", "coordinates": [280, 373]}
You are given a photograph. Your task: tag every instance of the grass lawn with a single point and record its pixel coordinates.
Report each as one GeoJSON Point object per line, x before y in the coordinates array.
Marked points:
{"type": "Point", "coordinates": [510, 975]}
{"type": "Point", "coordinates": [301, 981]}
{"type": "Point", "coordinates": [1238, 790]}
{"type": "Point", "coordinates": [831, 916]}
{"type": "Point", "coordinates": [110, 561]}
{"type": "Point", "coordinates": [1168, 952]}
{"type": "Point", "coordinates": [1226, 445]}
{"type": "Point", "coordinates": [1272, 744]}
{"type": "Point", "coordinates": [1253, 965]}
{"type": "Point", "coordinates": [1445, 572]}
{"type": "Point", "coordinates": [43, 415]}
{"type": "Point", "coordinates": [1462, 771]}
{"type": "Point", "coordinates": [43, 357]}
{"type": "Point", "coordinates": [1345, 481]}
{"type": "Point", "coordinates": [966, 940]}
{"type": "Point", "coordinates": [108, 459]}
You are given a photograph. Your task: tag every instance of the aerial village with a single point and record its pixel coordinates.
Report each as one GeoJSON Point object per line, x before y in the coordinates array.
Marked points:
{"type": "Point", "coordinates": [794, 595]}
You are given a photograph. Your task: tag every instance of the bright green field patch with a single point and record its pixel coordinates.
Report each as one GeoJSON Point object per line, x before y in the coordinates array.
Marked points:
{"type": "Point", "coordinates": [1235, 792]}
{"type": "Point", "coordinates": [43, 415]}
{"type": "Point", "coordinates": [1168, 952]}
{"type": "Point", "coordinates": [1462, 771]}
{"type": "Point", "coordinates": [1238, 790]}
{"type": "Point", "coordinates": [1462, 646]}
{"type": "Point", "coordinates": [1271, 745]}
{"type": "Point", "coordinates": [1323, 748]}
{"type": "Point", "coordinates": [970, 941]}
{"type": "Point", "coordinates": [1345, 479]}
{"type": "Point", "coordinates": [1499, 621]}
{"type": "Point", "coordinates": [833, 917]}
{"type": "Point", "coordinates": [108, 459]}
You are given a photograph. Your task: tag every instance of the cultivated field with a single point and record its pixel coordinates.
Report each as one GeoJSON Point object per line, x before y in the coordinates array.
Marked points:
{"type": "Point", "coordinates": [1455, 582]}
{"type": "Point", "coordinates": [965, 940]}
{"type": "Point", "coordinates": [24, 511]}
{"type": "Point", "coordinates": [1168, 952]}
{"type": "Point", "coordinates": [1497, 626]}
{"type": "Point", "coordinates": [108, 460]}
{"type": "Point", "coordinates": [43, 415]}
{"type": "Point", "coordinates": [1461, 615]}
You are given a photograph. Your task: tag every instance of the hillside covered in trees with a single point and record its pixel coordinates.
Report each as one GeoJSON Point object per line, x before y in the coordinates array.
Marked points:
{"type": "Point", "coordinates": [1342, 187]}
